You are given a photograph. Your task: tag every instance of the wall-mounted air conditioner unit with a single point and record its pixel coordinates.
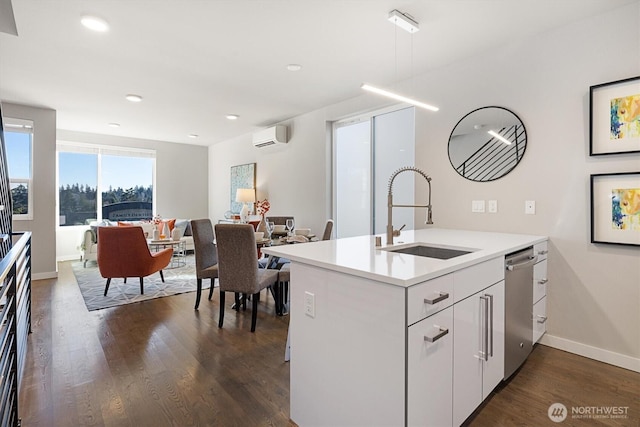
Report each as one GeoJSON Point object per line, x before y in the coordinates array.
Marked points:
{"type": "Point", "coordinates": [270, 136]}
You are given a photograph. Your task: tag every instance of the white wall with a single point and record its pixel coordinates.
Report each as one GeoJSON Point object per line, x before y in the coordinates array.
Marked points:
{"type": "Point", "coordinates": [42, 227]}
{"type": "Point", "coordinates": [292, 176]}
{"type": "Point", "coordinates": [181, 182]}
{"type": "Point", "coordinates": [594, 295]}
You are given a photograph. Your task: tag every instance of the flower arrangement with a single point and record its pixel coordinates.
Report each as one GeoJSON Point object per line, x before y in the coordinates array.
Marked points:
{"type": "Point", "coordinates": [262, 207]}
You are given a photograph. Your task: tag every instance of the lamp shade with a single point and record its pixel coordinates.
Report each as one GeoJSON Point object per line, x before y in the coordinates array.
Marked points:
{"type": "Point", "coordinates": [246, 195]}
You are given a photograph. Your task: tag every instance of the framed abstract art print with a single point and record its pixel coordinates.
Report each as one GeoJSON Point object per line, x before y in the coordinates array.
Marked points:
{"type": "Point", "coordinates": [615, 208]}
{"type": "Point", "coordinates": [242, 176]}
{"type": "Point", "coordinates": [614, 115]}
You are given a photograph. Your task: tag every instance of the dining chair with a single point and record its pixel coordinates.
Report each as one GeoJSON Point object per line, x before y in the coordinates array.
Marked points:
{"type": "Point", "coordinates": [238, 267]}
{"type": "Point", "coordinates": [279, 220]}
{"type": "Point", "coordinates": [123, 252]}
{"type": "Point", "coordinates": [284, 274]}
{"type": "Point", "coordinates": [206, 255]}
{"type": "Point", "coordinates": [328, 228]}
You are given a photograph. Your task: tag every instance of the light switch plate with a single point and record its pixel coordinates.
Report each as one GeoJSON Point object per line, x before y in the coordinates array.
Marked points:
{"type": "Point", "coordinates": [309, 304]}
{"type": "Point", "coordinates": [477, 206]}
{"type": "Point", "coordinates": [493, 206]}
{"type": "Point", "coordinates": [530, 207]}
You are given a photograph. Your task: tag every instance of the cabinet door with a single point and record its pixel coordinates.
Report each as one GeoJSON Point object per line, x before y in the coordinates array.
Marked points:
{"type": "Point", "coordinates": [474, 374]}
{"type": "Point", "coordinates": [429, 379]}
{"type": "Point", "coordinates": [493, 371]}
{"type": "Point", "coordinates": [467, 360]}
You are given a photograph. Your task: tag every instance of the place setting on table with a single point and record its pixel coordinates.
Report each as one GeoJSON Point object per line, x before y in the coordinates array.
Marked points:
{"type": "Point", "coordinates": [278, 234]}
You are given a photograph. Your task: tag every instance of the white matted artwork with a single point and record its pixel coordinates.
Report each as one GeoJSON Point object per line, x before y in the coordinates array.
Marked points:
{"type": "Point", "coordinates": [242, 176]}
{"type": "Point", "coordinates": [614, 115]}
{"type": "Point", "coordinates": [615, 208]}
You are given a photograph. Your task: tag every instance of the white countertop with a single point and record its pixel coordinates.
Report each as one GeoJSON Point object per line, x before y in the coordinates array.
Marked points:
{"type": "Point", "coordinates": [359, 256]}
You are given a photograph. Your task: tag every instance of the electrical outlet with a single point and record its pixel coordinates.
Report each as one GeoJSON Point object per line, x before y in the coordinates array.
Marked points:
{"type": "Point", "coordinates": [493, 206]}
{"type": "Point", "coordinates": [309, 304]}
{"type": "Point", "coordinates": [530, 207]}
{"type": "Point", "coordinates": [477, 206]}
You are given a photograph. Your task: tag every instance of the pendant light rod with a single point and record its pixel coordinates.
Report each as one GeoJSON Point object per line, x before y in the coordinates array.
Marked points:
{"type": "Point", "coordinates": [398, 97]}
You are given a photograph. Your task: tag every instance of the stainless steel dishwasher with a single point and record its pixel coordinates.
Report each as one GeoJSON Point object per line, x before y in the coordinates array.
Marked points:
{"type": "Point", "coordinates": [518, 303]}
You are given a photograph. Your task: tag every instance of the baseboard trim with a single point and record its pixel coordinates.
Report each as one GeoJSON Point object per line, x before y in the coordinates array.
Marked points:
{"type": "Point", "coordinates": [601, 355]}
{"type": "Point", "coordinates": [43, 276]}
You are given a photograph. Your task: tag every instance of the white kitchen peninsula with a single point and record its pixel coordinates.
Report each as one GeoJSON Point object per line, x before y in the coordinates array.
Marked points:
{"type": "Point", "coordinates": [389, 339]}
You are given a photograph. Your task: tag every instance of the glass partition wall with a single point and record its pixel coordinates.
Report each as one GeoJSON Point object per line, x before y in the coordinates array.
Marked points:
{"type": "Point", "coordinates": [366, 151]}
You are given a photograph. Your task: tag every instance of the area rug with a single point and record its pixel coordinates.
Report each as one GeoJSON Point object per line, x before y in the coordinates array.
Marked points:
{"type": "Point", "coordinates": [176, 281]}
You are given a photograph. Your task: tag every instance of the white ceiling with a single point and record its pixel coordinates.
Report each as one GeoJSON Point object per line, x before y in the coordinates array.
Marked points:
{"type": "Point", "coordinates": [194, 61]}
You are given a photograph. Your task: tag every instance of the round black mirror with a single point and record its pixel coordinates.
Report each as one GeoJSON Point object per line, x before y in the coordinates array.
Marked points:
{"type": "Point", "coordinates": [487, 144]}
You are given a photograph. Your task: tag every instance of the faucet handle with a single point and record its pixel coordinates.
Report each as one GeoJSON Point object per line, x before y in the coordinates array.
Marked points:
{"type": "Point", "coordinates": [396, 233]}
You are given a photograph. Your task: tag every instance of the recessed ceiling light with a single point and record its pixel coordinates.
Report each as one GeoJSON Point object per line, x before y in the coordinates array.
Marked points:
{"type": "Point", "coordinates": [294, 67]}
{"type": "Point", "coordinates": [193, 135]}
{"type": "Point", "coordinates": [133, 98]}
{"type": "Point", "coordinates": [95, 23]}
{"type": "Point", "coordinates": [114, 125]}
{"type": "Point", "coordinates": [232, 116]}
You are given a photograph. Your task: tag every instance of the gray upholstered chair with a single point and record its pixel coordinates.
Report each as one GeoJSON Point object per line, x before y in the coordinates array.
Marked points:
{"type": "Point", "coordinates": [206, 255]}
{"type": "Point", "coordinates": [284, 274]}
{"type": "Point", "coordinates": [328, 228]}
{"type": "Point", "coordinates": [279, 220]}
{"type": "Point", "coordinates": [238, 267]}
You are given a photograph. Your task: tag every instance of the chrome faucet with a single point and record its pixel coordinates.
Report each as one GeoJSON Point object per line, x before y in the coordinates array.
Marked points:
{"type": "Point", "coordinates": [390, 231]}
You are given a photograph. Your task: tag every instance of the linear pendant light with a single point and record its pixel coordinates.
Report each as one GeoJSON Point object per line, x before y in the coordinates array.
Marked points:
{"type": "Point", "coordinates": [398, 97]}
{"type": "Point", "coordinates": [407, 23]}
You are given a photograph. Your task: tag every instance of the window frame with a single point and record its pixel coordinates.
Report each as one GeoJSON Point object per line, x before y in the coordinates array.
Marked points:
{"type": "Point", "coordinates": [15, 125]}
{"type": "Point", "coordinates": [99, 150]}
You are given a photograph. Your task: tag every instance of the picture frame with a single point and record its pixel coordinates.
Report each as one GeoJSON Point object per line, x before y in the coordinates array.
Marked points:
{"type": "Point", "coordinates": [614, 117]}
{"type": "Point", "coordinates": [242, 176]}
{"type": "Point", "coordinates": [615, 208]}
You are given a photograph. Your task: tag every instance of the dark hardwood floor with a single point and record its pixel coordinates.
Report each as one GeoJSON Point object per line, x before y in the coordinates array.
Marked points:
{"type": "Point", "coordinates": [160, 363]}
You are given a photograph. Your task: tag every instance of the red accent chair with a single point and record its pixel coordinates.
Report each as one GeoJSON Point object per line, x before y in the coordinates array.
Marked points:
{"type": "Point", "coordinates": [123, 252]}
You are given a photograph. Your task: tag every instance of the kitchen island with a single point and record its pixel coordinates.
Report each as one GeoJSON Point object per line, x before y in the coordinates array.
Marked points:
{"type": "Point", "coordinates": [373, 331]}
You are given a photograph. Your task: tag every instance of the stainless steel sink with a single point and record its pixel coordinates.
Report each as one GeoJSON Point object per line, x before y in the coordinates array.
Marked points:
{"type": "Point", "coordinates": [437, 252]}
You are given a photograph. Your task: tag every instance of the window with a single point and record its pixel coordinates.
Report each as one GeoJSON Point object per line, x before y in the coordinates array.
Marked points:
{"type": "Point", "coordinates": [19, 145]}
{"type": "Point", "coordinates": [119, 180]}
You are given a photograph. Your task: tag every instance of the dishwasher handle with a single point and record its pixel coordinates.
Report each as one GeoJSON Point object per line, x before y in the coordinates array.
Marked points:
{"type": "Point", "coordinates": [532, 259]}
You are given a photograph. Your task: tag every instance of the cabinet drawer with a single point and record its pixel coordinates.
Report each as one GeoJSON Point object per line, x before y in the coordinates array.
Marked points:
{"type": "Point", "coordinates": [430, 371]}
{"type": "Point", "coordinates": [539, 319]}
{"type": "Point", "coordinates": [470, 280]}
{"type": "Point", "coordinates": [429, 297]}
{"type": "Point", "coordinates": [539, 280]}
{"type": "Point", "coordinates": [540, 249]}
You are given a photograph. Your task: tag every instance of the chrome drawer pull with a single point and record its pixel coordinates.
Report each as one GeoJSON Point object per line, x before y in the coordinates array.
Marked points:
{"type": "Point", "coordinates": [543, 252]}
{"type": "Point", "coordinates": [542, 281]}
{"type": "Point", "coordinates": [441, 332]}
{"type": "Point", "coordinates": [542, 319]}
{"type": "Point", "coordinates": [441, 297]}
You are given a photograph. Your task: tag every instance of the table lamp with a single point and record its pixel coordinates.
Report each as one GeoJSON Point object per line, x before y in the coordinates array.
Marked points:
{"type": "Point", "coordinates": [245, 196]}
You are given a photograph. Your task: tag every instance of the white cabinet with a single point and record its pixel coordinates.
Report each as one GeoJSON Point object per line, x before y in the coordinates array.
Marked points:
{"type": "Point", "coordinates": [430, 359]}
{"type": "Point", "coordinates": [478, 360]}
{"type": "Point", "coordinates": [540, 281]}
